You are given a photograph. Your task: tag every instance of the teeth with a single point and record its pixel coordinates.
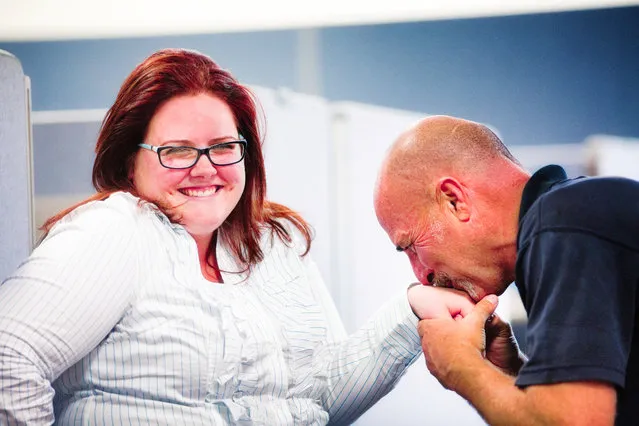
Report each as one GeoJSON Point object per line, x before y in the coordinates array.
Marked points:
{"type": "Point", "coordinates": [199, 192]}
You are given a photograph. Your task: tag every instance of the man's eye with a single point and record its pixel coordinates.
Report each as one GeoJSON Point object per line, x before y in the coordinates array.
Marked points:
{"type": "Point", "coordinates": [408, 248]}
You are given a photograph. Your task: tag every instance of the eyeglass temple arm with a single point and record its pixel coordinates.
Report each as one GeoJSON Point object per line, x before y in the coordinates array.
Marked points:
{"type": "Point", "coordinates": [147, 146]}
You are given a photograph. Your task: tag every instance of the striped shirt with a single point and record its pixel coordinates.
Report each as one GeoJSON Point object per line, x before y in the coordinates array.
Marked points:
{"type": "Point", "coordinates": [110, 322]}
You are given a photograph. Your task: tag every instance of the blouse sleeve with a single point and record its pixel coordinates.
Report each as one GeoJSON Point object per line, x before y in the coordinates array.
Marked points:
{"type": "Point", "coordinates": [366, 365]}
{"type": "Point", "coordinates": [60, 303]}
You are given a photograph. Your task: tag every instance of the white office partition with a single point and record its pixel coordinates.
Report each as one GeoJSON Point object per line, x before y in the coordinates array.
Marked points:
{"type": "Point", "coordinates": [371, 271]}
{"type": "Point", "coordinates": [297, 150]}
{"type": "Point", "coordinates": [613, 156]}
{"type": "Point", "coordinates": [16, 226]}
{"type": "Point", "coordinates": [571, 156]}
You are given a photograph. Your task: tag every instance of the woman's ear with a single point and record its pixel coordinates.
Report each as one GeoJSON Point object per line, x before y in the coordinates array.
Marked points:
{"type": "Point", "coordinates": [454, 198]}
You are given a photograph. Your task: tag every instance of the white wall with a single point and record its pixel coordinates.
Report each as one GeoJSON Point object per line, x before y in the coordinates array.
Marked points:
{"type": "Point", "coordinates": [613, 156]}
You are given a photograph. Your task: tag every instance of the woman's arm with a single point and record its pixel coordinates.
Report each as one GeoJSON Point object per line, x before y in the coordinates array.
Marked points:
{"type": "Point", "coordinates": [365, 366]}
{"type": "Point", "coordinates": [59, 304]}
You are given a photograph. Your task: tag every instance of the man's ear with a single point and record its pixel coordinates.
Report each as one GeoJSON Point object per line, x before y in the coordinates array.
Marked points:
{"type": "Point", "coordinates": [454, 198]}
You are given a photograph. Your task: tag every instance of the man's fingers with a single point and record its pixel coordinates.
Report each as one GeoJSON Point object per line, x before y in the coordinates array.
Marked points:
{"type": "Point", "coordinates": [422, 325]}
{"type": "Point", "coordinates": [484, 309]}
{"type": "Point", "coordinates": [467, 306]}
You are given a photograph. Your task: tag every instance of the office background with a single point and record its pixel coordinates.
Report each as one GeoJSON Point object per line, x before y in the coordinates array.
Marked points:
{"type": "Point", "coordinates": [542, 80]}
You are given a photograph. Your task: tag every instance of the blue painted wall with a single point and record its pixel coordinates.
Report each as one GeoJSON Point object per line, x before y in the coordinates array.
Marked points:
{"type": "Point", "coordinates": [548, 78]}
{"type": "Point", "coordinates": [83, 74]}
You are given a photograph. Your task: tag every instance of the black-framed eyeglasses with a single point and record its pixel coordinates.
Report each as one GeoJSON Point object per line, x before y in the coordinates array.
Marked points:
{"type": "Point", "coordinates": [184, 157]}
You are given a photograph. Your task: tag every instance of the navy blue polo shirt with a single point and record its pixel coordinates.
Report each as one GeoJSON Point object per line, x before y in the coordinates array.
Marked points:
{"type": "Point", "coordinates": [577, 272]}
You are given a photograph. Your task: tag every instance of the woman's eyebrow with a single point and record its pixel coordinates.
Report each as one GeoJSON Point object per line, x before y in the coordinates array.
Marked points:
{"type": "Point", "coordinates": [186, 142]}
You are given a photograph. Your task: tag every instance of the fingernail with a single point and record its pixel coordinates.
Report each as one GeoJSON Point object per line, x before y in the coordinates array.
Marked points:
{"type": "Point", "coordinates": [492, 299]}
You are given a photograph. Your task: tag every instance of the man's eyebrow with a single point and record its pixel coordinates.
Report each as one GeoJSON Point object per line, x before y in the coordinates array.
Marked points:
{"type": "Point", "coordinates": [401, 241]}
{"type": "Point", "coordinates": [403, 245]}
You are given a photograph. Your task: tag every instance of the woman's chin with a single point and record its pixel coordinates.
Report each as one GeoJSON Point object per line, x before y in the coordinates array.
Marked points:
{"type": "Point", "coordinates": [201, 229]}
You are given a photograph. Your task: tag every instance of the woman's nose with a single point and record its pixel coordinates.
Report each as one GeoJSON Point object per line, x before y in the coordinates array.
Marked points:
{"type": "Point", "coordinates": [203, 166]}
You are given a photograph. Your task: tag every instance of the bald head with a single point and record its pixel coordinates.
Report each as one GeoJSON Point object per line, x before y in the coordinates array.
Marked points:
{"type": "Point", "coordinates": [437, 147]}
{"type": "Point", "coordinates": [442, 145]}
{"type": "Point", "coordinates": [445, 144]}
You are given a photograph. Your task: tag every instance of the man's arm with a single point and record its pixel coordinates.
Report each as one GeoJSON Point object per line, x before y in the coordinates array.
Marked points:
{"type": "Point", "coordinates": [495, 396]}
{"type": "Point", "coordinates": [455, 355]}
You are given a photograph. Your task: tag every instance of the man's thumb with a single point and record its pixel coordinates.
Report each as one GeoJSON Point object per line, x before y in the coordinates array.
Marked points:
{"type": "Point", "coordinates": [485, 308]}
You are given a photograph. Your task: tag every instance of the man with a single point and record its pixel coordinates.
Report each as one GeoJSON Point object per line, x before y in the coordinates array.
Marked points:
{"type": "Point", "coordinates": [451, 196]}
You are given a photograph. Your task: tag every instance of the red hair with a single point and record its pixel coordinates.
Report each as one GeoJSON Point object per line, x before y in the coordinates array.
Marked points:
{"type": "Point", "coordinates": [162, 76]}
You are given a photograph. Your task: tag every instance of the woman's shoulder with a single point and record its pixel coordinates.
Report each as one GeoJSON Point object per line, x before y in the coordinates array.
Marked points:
{"type": "Point", "coordinates": [284, 235]}
{"type": "Point", "coordinates": [120, 211]}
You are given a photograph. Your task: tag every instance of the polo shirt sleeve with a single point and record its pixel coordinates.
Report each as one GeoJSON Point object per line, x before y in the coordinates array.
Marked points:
{"type": "Point", "coordinates": [580, 308]}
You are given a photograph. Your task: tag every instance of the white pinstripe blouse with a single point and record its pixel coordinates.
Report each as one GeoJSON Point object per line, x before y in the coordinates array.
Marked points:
{"type": "Point", "coordinates": [112, 315]}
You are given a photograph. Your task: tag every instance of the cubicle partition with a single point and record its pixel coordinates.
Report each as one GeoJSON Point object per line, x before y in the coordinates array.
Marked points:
{"type": "Point", "coordinates": [16, 194]}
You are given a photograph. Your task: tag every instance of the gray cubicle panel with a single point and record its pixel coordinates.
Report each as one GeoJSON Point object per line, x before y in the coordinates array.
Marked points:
{"type": "Point", "coordinates": [63, 154]}
{"type": "Point", "coordinates": [16, 194]}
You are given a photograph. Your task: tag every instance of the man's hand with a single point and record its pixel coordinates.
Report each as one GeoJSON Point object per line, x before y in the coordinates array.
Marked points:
{"type": "Point", "coordinates": [430, 302]}
{"type": "Point", "coordinates": [501, 347]}
{"type": "Point", "coordinates": [453, 348]}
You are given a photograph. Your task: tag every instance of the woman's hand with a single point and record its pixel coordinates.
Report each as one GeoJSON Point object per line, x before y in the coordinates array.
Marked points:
{"type": "Point", "coordinates": [430, 302]}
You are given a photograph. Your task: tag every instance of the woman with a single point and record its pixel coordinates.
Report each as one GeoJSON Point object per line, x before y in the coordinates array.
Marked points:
{"type": "Point", "coordinates": [120, 317]}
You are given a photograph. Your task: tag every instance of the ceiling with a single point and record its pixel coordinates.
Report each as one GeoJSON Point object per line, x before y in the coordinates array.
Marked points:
{"type": "Point", "coordinates": [31, 20]}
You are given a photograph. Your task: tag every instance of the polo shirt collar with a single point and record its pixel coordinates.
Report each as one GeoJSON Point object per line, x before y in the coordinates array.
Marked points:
{"type": "Point", "coordinates": [538, 184]}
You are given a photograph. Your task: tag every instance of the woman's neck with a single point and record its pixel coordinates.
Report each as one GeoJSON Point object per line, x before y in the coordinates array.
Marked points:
{"type": "Point", "coordinates": [208, 259]}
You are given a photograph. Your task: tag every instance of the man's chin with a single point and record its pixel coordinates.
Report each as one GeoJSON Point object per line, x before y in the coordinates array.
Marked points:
{"type": "Point", "coordinates": [469, 288]}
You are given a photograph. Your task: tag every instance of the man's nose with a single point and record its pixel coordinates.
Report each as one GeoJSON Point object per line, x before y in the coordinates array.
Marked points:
{"type": "Point", "coordinates": [422, 272]}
